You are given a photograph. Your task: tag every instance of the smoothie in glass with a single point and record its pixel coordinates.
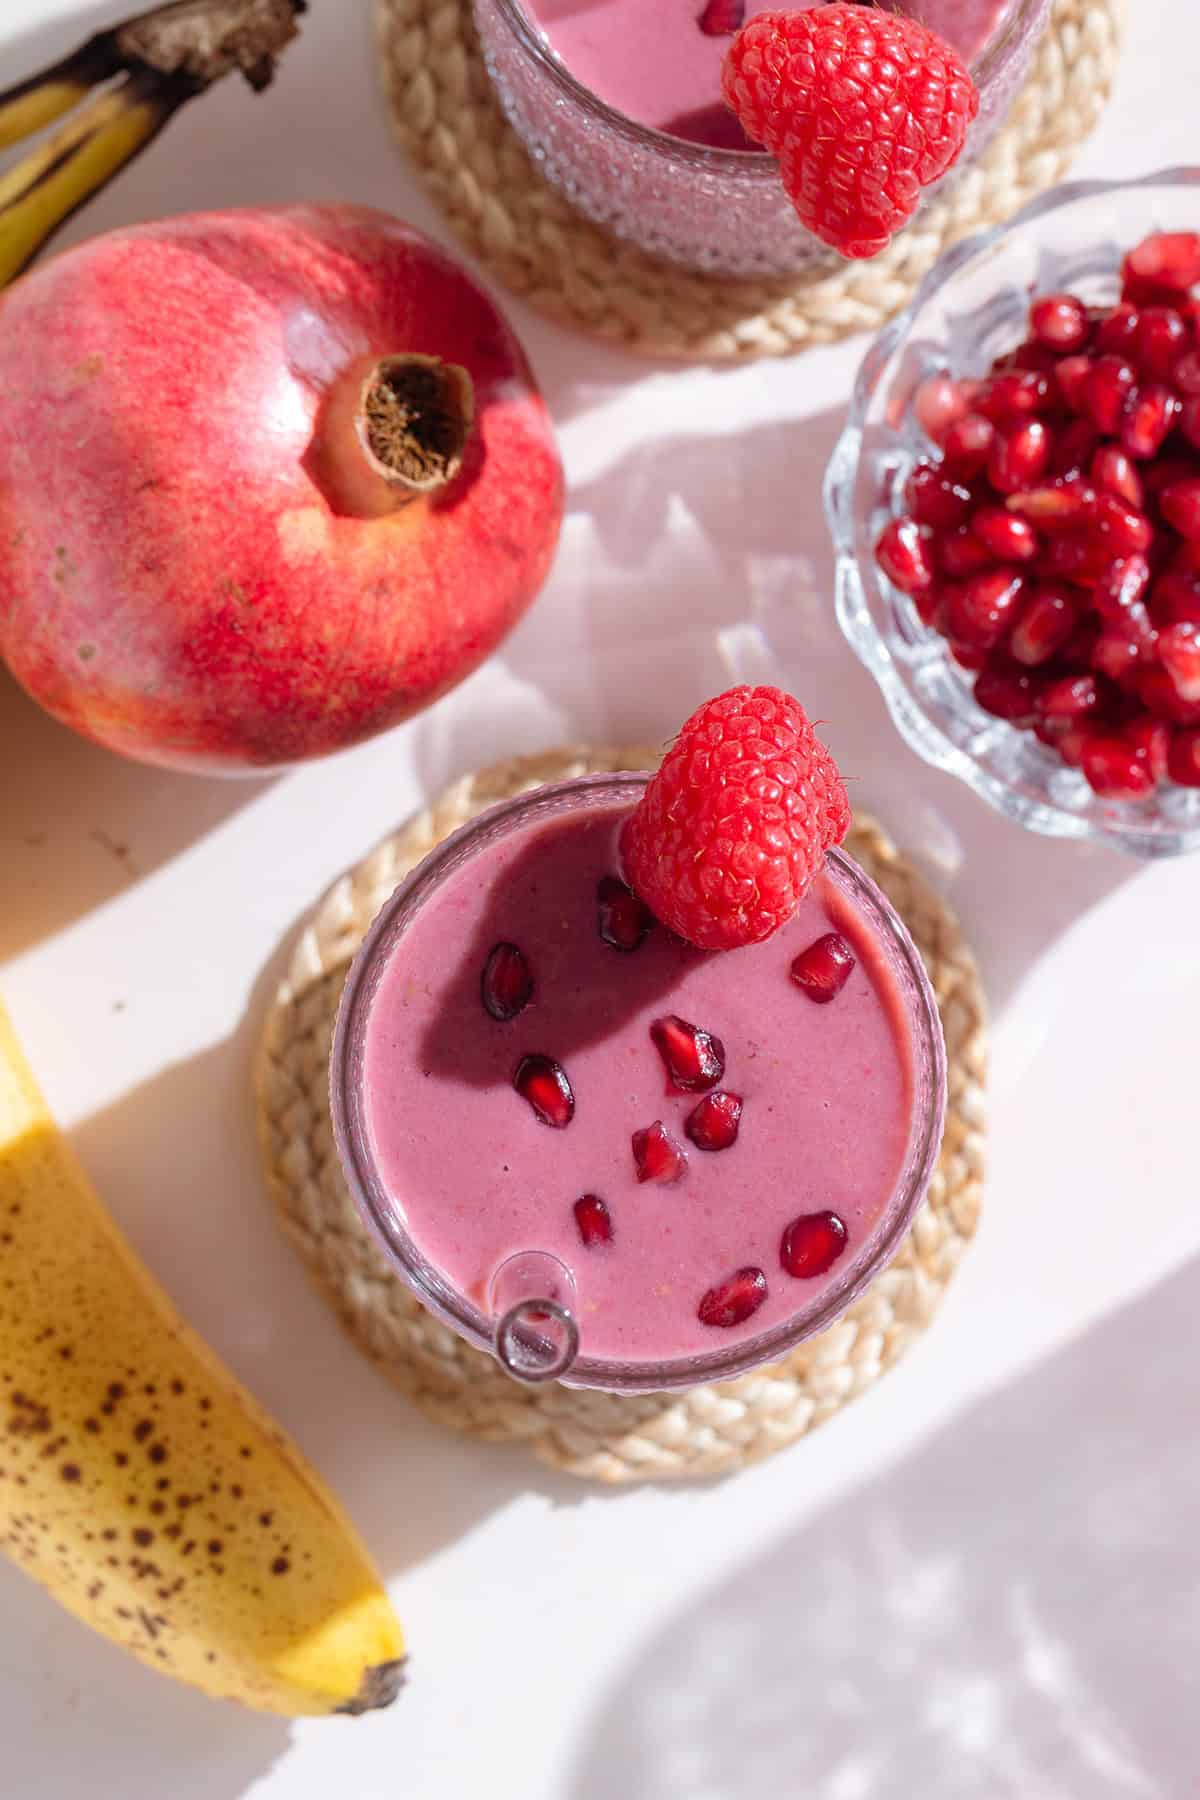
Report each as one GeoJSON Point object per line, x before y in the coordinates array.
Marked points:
{"type": "Point", "coordinates": [657, 65]}
{"type": "Point", "coordinates": [524, 952]}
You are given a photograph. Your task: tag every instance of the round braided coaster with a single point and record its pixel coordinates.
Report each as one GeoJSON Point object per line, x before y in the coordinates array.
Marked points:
{"type": "Point", "coordinates": [610, 1437]}
{"type": "Point", "coordinates": [449, 122]}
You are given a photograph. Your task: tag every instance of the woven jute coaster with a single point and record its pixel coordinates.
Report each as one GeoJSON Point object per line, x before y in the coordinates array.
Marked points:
{"type": "Point", "coordinates": [609, 1437]}
{"type": "Point", "coordinates": [449, 122]}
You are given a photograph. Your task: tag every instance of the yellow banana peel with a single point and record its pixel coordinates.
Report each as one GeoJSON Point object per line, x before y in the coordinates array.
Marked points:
{"type": "Point", "coordinates": [140, 1483]}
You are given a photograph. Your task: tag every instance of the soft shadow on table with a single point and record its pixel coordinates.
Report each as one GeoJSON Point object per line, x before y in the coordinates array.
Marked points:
{"type": "Point", "coordinates": [89, 823]}
{"type": "Point", "coordinates": [713, 563]}
{"type": "Point", "coordinates": [1013, 1611]}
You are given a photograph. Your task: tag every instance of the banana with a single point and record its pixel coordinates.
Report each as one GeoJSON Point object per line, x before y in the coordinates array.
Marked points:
{"type": "Point", "coordinates": [152, 65]}
{"type": "Point", "coordinates": [140, 1483]}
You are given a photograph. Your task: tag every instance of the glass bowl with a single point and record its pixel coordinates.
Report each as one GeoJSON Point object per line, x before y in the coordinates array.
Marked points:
{"type": "Point", "coordinates": [970, 309]}
{"type": "Point", "coordinates": [723, 211]}
{"type": "Point", "coordinates": [560, 1354]}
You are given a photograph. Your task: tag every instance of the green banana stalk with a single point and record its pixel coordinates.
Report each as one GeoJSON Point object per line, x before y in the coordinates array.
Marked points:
{"type": "Point", "coordinates": [114, 94]}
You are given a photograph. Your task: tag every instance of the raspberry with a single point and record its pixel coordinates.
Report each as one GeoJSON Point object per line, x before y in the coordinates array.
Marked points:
{"type": "Point", "coordinates": [862, 107]}
{"type": "Point", "coordinates": [730, 832]}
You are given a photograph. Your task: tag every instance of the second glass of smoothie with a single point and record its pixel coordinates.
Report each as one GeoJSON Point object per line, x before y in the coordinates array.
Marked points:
{"type": "Point", "coordinates": [619, 102]}
{"type": "Point", "coordinates": [610, 1157]}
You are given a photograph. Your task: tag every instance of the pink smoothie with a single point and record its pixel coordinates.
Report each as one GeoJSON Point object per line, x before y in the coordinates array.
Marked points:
{"type": "Point", "coordinates": [650, 60]}
{"type": "Point", "coordinates": [826, 1091]}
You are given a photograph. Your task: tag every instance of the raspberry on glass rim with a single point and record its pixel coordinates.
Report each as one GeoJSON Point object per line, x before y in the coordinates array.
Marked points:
{"type": "Point", "coordinates": [581, 1130]}
{"type": "Point", "coordinates": [622, 104]}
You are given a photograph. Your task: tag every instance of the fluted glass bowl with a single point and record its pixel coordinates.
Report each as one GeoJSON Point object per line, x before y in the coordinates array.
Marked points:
{"type": "Point", "coordinates": [970, 309]}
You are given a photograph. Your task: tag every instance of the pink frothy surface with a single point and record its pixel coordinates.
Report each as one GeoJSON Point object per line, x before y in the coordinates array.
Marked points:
{"type": "Point", "coordinates": [476, 1177]}
{"type": "Point", "coordinates": [650, 60]}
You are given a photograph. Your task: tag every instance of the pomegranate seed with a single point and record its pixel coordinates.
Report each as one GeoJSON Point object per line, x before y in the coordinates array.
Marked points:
{"type": "Point", "coordinates": [1060, 507]}
{"type": "Point", "coordinates": [713, 1124]}
{"type": "Point", "coordinates": [1183, 758]}
{"type": "Point", "coordinates": [902, 552]}
{"type": "Point", "coordinates": [722, 18]}
{"type": "Point", "coordinates": [1150, 741]}
{"type": "Point", "coordinates": [1185, 375]}
{"type": "Point", "coordinates": [1175, 599]}
{"type": "Point", "coordinates": [1070, 697]}
{"type": "Point", "coordinates": [543, 1083]}
{"type": "Point", "coordinates": [959, 553]}
{"type": "Point", "coordinates": [1117, 331]}
{"type": "Point", "coordinates": [980, 611]}
{"type": "Point", "coordinates": [1115, 771]}
{"type": "Point", "coordinates": [1044, 627]}
{"type": "Point", "coordinates": [824, 968]}
{"type": "Point", "coordinates": [622, 919]}
{"type": "Point", "coordinates": [1149, 418]}
{"type": "Point", "coordinates": [732, 1301]}
{"type": "Point", "coordinates": [1120, 652]}
{"type": "Point", "coordinates": [694, 1059]}
{"type": "Point", "coordinates": [1060, 322]}
{"type": "Point", "coordinates": [1081, 559]}
{"type": "Point", "coordinates": [593, 1219]}
{"type": "Point", "coordinates": [1076, 654]}
{"type": "Point", "coordinates": [1159, 341]}
{"type": "Point", "coordinates": [1028, 355]}
{"type": "Point", "coordinates": [1112, 470]}
{"type": "Point", "coordinates": [930, 607]}
{"type": "Point", "coordinates": [1051, 731]}
{"type": "Point", "coordinates": [932, 500]}
{"type": "Point", "coordinates": [1121, 528]}
{"type": "Point", "coordinates": [1157, 691]}
{"type": "Point", "coordinates": [1189, 420]}
{"type": "Point", "coordinates": [505, 986]}
{"type": "Point", "coordinates": [939, 402]}
{"type": "Point", "coordinates": [1012, 396]}
{"type": "Point", "coordinates": [1073, 742]}
{"type": "Point", "coordinates": [968, 656]}
{"type": "Point", "coordinates": [656, 1155]}
{"type": "Point", "coordinates": [1019, 457]}
{"type": "Point", "coordinates": [1006, 695]}
{"type": "Point", "coordinates": [1163, 266]}
{"type": "Point", "coordinates": [1073, 448]}
{"type": "Point", "coordinates": [1180, 506]}
{"type": "Point", "coordinates": [1072, 376]}
{"type": "Point", "coordinates": [1179, 653]}
{"type": "Point", "coordinates": [966, 446]}
{"type": "Point", "coordinates": [1109, 386]}
{"type": "Point", "coordinates": [1007, 535]}
{"type": "Point", "coordinates": [811, 1244]}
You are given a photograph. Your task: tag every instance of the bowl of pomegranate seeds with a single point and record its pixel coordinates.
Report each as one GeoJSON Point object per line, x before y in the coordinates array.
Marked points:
{"type": "Point", "coordinates": [1015, 505]}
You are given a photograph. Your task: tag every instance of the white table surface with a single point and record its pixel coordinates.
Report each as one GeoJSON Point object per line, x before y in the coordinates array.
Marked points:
{"type": "Point", "coordinates": [981, 1579]}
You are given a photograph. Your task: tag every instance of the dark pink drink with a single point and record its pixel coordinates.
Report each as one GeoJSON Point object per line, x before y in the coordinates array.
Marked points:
{"type": "Point", "coordinates": [651, 60]}
{"type": "Point", "coordinates": [830, 1111]}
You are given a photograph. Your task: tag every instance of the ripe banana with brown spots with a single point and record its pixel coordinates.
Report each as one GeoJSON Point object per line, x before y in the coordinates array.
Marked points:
{"type": "Point", "coordinates": [139, 1482]}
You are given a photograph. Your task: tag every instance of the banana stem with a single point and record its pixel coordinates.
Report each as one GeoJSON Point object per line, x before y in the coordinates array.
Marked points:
{"type": "Point", "coordinates": [156, 61]}
{"type": "Point", "coordinates": [122, 123]}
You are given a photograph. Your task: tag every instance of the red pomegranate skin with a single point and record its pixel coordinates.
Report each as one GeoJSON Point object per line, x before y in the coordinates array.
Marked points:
{"type": "Point", "coordinates": [174, 582]}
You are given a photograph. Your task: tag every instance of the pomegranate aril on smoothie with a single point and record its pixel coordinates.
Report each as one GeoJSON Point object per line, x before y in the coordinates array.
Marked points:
{"type": "Point", "coordinates": [543, 1083]}
{"type": "Point", "coordinates": [823, 970]}
{"type": "Point", "coordinates": [811, 1244]}
{"type": "Point", "coordinates": [506, 985]}
{"type": "Point", "coordinates": [714, 1123]}
{"type": "Point", "coordinates": [593, 1219]}
{"type": "Point", "coordinates": [693, 1059]}
{"type": "Point", "coordinates": [1059, 523]}
{"type": "Point", "coordinates": [621, 918]}
{"type": "Point", "coordinates": [734, 1300]}
{"type": "Point", "coordinates": [656, 1155]}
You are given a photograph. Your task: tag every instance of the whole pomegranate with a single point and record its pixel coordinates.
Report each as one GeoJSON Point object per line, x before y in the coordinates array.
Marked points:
{"type": "Point", "coordinates": [270, 481]}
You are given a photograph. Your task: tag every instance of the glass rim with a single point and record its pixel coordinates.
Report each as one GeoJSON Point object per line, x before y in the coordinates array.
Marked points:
{"type": "Point", "coordinates": [452, 1306]}
{"type": "Point", "coordinates": [1127, 833]}
{"type": "Point", "coordinates": [752, 165]}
